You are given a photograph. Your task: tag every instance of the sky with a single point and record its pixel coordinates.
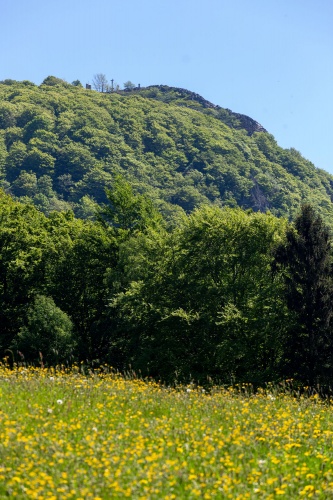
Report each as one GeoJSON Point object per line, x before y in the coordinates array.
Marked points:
{"type": "Point", "coordinates": [269, 59]}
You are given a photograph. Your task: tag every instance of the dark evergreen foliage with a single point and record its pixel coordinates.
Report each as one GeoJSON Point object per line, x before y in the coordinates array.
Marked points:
{"type": "Point", "coordinates": [306, 259]}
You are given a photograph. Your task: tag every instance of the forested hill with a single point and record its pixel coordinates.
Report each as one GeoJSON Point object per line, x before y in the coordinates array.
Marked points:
{"type": "Point", "coordinates": [183, 97]}
{"type": "Point", "coordinates": [62, 145]}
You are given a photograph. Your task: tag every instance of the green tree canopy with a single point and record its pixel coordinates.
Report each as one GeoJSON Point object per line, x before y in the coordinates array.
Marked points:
{"type": "Point", "coordinates": [47, 334]}
{"type": "Point", "coordinates": [129, 211]}
{"type": "Point", "coordinates": [201, 300]}
{"type": "Point", "coordinates": [306, 258]}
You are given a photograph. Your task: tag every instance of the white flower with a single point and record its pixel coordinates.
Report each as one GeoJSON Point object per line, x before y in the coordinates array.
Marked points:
{"type": "Point", "coordinates": [94, 429]}
{"type": "Point", "coordinates": [49, 410]}
{"type": "Point", "coordinates": [188, 390]}
{"type": "Point", "coordinates": [51, 378]}
{"type": "Point", "coordinates": [272, 398]}
{"type": "Point", "coordinates": [59, 401]}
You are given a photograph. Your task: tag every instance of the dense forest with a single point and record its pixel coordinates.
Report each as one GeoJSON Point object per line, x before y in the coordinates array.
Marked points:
{"type": "Point", "coordinates": [61, 146]}
{"type": "Point", "coordinates": [151, 230]}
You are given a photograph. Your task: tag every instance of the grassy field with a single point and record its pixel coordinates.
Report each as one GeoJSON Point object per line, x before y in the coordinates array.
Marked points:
{"type": "Point", "coordinates": [64, 435]}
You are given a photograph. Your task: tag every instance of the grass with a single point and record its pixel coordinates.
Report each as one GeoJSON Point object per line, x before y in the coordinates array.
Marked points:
{"type": "Point", "coordinates": [64, 435]}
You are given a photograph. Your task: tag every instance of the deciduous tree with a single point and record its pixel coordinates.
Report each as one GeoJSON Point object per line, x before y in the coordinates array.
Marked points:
{"type": "Point", "coordinates": [129, 85]}
{"type": "Point", "coordinates": [100, 82]}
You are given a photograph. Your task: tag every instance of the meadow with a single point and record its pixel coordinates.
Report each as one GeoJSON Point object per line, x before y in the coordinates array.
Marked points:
{"type": "Point", "coordinates": [65, 434]}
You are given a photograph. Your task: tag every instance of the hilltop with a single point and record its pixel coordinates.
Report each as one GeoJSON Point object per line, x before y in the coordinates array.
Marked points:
{"type": "Point", "coordinates": [62, 145]}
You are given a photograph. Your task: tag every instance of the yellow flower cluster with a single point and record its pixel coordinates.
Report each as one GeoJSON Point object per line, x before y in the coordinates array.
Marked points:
{"type": "Point", "coordinates": [65, 435]}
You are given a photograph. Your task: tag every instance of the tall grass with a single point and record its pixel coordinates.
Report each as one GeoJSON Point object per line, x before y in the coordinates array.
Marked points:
{"type": "Point", "coordinates": [66, 435]}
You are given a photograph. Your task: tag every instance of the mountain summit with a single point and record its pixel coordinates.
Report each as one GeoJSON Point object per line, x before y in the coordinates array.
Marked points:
{"type": "Point", "coordinates": [61, 146]}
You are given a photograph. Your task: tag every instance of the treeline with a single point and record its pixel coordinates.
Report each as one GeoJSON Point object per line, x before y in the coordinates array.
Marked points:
{"type": "Point", "coordinates": [227, 295]}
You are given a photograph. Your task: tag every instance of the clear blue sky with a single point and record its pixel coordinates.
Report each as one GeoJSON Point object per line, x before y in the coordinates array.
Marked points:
{"type": "Point", "coordinates": [269, 59]}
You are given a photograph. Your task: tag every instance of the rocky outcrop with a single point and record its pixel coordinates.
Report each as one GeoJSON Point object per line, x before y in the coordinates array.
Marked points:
{"type": "Point", "coordinates": [245, 122]}
{"type": "Point", "coordinates": [248, 123]}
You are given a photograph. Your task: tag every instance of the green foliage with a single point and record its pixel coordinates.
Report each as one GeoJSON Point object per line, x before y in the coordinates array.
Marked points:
{"type": "Point", "coordinates": [201, 300]}
{"type": "Point", "coordinates": [129, 85]}
{"type": "Point", "coordinates": [23, 239]}
{"type": "Point", "coordinates": [77, 83]}
{"type": "Point", "coordinates": [93, 184]}
{"type": "Point", "coordinates": [7, 115]}
{"type": "Point", "coordinates": [15, 160]}
{"type": "Point", "coordinates": [74, 160]}
{"type": "Point", "coordinates": [306, 258]}
{"type": "Point", "coordinates": [47, 333]}
{"type": "Point", "coordinates": [171, 272]}
{"type": "Point", "coordinates": [86, 251]}
{"type": "Point", "coordinates": [53, 81]}
{"type": "Point", "coordinates": [127, 211]}
{"type": "Point", "coordinates": [197, 300]}
{"type": "Point", "coordinates": [25, 184]}
{"type": "Point", "coordinates": [3, 155]}
{"type": "Point", "coordinates": [63, 259]}
{"type": "Point", "coordinates": [167, 143]}
{"type": "Point", "coordinates": [39, 162]}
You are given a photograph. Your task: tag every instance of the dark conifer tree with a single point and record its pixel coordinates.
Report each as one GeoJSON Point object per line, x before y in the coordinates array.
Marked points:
{"type": "Point", "coordinates": [306, 258]}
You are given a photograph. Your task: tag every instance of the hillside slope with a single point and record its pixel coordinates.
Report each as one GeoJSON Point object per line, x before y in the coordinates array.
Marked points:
{"type": "Point", "coordinates": [183, 97]}
{"type": "Point", "coordinates": [60, 147]}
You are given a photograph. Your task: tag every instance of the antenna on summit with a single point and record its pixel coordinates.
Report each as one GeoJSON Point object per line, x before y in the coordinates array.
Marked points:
{"type": "Point", "coordinates": [112, 85]}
